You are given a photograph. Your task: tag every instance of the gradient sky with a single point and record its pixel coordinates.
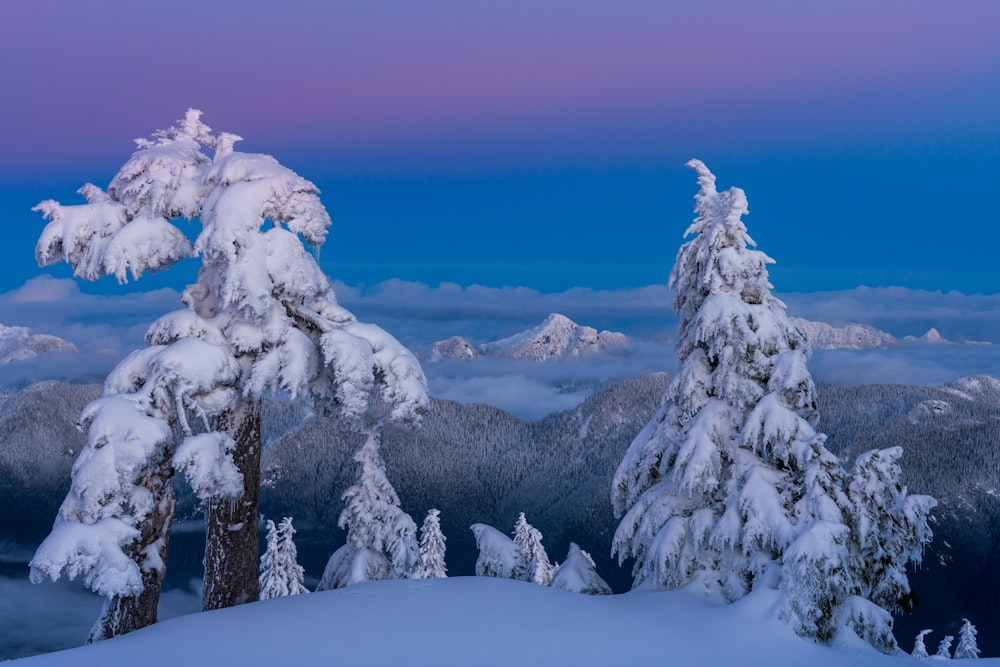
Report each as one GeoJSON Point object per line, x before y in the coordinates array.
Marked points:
{"type": "Point", "coordinates": [541, 143]}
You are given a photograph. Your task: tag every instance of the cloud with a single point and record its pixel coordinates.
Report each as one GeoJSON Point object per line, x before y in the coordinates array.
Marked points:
{"type": "Point", "coordinates": [105, 328]}
{"type": "Point", "coordinates": [904, 312]}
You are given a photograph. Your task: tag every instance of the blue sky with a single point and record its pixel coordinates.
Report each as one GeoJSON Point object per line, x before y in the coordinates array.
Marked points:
{"type": "Point", "coordinates": [486, 164]}
{"type": "Point", "coordinates": [541, 143]}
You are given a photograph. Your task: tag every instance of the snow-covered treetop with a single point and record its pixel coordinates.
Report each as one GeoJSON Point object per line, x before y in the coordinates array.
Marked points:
{"type": "Point", "coordinates": [259, 289]}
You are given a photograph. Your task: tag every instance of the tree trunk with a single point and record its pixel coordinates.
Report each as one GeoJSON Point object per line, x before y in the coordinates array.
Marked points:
{"type": "Point", "coordinates": [231, 546]}
{"type": "Point", "coordinates": [124, 614]}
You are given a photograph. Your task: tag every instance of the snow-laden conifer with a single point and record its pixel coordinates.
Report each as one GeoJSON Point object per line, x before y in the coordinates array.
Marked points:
{"type": "Point", "coordinates": [280, 572]}
{"type": "Point", "coordinates": [729, 483]}
{"type": "Point", "coordinates": [578, 574]}
{"type": "Point", "coordinates": [499, 556]}
{"type": "Point", "coordinates": [432, 548]}
{"type": "Point", "coordinates": [529, 539]}
{"type": "Point", "coordinates": [944, 647]}
{"type": "Point", "coordinates": [381, 537]}
{"type": "Point", "coordinates": [114, 525]}
{"type": "Point", "coordinates": [919, 647]}
{"type": "Point", "coordinates": [967, 647]}
{"type": "Point", "coordinates": [260, 297]}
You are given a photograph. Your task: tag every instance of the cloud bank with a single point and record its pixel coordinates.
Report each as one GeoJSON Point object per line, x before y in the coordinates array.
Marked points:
{"type": "Point", "coordinates": [106, 328]}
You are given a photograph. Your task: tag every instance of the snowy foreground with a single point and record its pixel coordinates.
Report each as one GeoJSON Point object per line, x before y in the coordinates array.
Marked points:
{"type": "Point", "coordinates": [475, 621]}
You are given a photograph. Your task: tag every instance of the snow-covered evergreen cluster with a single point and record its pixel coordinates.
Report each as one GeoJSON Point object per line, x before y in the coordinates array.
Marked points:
{"type": "Point", "coordinates": [280, 572]}
{"type": "Point", "coordinates": [967, 649]}
{"type": "Point", "coordinates": [261, 318]}
{"type": "Point", "coordinates": [524, 558]}
{"type": "Point", "coordinates": [730, 485]}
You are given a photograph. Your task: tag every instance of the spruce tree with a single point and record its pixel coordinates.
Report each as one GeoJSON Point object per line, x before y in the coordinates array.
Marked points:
{"type": "Point", "coordinates": [529, 539]}
{"type": "Point", "coordinates": [967, 647]}
{"type": "Point", "coordinates": [381, 537]}
{"type": "Point", "coordinates": [432, 547]}
{"type": "Point", "coordinates": [730, 484]}
{"type": "Point", "coordinates": [280, 572]}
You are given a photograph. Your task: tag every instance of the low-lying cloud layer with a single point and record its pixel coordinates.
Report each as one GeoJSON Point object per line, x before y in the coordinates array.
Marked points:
{"type": "Point", "coordinates": [106, 328]}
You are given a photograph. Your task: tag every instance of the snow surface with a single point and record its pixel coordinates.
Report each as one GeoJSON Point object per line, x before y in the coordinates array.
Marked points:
{"type": "Point", "coordinates": [477, 621]}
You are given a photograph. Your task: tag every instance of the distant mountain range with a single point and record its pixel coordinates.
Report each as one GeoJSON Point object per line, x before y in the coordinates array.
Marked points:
{"type": "Point", "coordinates": [19, 344]}
{"type": "Point", "coordinates": [824, 336]}
{"type": "Point", "coordinates": [558, 337]}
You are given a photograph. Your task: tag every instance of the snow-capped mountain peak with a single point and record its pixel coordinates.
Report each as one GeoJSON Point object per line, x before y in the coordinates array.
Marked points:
{"type": "Point", "coordinates": [557, 337]}
{"type": "Point", "coordinates": [19, 344]}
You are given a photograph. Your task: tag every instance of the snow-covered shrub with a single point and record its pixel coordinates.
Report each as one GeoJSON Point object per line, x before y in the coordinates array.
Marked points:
{"type": "Point", "coordinates": [499, 556]}
{"type": "Point", "coordinates": [578, 574]}
{"type": "Point", "coordinates": [967, 647]}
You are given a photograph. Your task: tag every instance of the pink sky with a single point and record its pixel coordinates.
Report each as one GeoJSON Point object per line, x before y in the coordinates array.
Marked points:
{"type": "Point", "coordinates": [397, 80]}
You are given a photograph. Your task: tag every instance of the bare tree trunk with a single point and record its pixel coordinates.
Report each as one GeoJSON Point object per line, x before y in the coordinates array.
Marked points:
{"type": "Point", "coordinates": [125, 614]}
{"type": "Point", "coordinates": [231, 546]}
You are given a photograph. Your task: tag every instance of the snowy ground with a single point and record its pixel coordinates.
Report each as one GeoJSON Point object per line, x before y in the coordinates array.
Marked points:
{"type": "Point", "coordinates": [475, 621]}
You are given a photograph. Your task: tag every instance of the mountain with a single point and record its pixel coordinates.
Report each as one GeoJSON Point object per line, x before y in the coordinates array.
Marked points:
{"type": "Point", "coordinates": [558, 337]}
{"type": "Point", "coordinates": [823, 336]}
{"type": "Point", "coordinates": [19, 344]}
{"type": "Point", "coordinates": [455, 347]}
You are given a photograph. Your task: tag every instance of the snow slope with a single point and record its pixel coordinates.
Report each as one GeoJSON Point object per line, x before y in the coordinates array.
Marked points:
{"type": "Point", "coordinates": [475, 621]}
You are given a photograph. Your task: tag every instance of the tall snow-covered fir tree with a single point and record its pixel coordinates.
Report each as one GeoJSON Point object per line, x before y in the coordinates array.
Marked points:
{"type": "Point", "coordinates": [381, 537]}
{"type": "Point", "coordinates": [280, 572]}
{"type": "Point", "coordinates": [529, 539]}
{"type": "Point", "coordinates": [432, 548]}
{"type": "Point", "coordinates": [968, 648]}
{"type": "Point", "coordinates": [261, 301]}
{"type": "Point", "coordinates": [730, 484]}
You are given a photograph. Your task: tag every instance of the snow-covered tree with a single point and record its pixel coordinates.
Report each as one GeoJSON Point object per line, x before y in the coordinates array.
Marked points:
{"type": "Point", "coordinates": [729, 484]}
{"type": "Point", "coordinates": [529, 540]}
{"type": "Point", "coordinates": [280, 572]}
{"type": "Point", "coordinates": [114, 525]}
{"type": "Point", "coordinates": [498, 555]}
{"type": "Point", "coordinates": [432, 547]}
{"type": "Point", "coordinates": [967, 648]}
{"type": "Point", "coordinates": [919, 647]}
{"type": "Point", "coordinates": [944, 647]}
{"type": "Point", "coordinates": [578, 574]}
{"type": "Point", "coordinates": [260, 297]}
{"type": "Point", "coordinates": [381, 537]}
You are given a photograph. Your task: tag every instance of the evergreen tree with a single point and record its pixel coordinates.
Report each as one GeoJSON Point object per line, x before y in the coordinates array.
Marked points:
{"type": "Point", "coordinates": [944, 648]}
{"type": "Point", "coordinates": [280, 572]}
{"type": "Point", "coordinates": [919, 647]}
{"type": "Point", "coordinates": [381, 537]}
{"type": "Point", "coordinates": [529, 540]}
{"type": "Point", "coordinates": [967, 647]}
{"type": "Point", "coordinates": [261, 300]}
{"type": "Point", "coordinates": [432, 547]}
{"type": "Point", "coordinates": [729, 483]}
